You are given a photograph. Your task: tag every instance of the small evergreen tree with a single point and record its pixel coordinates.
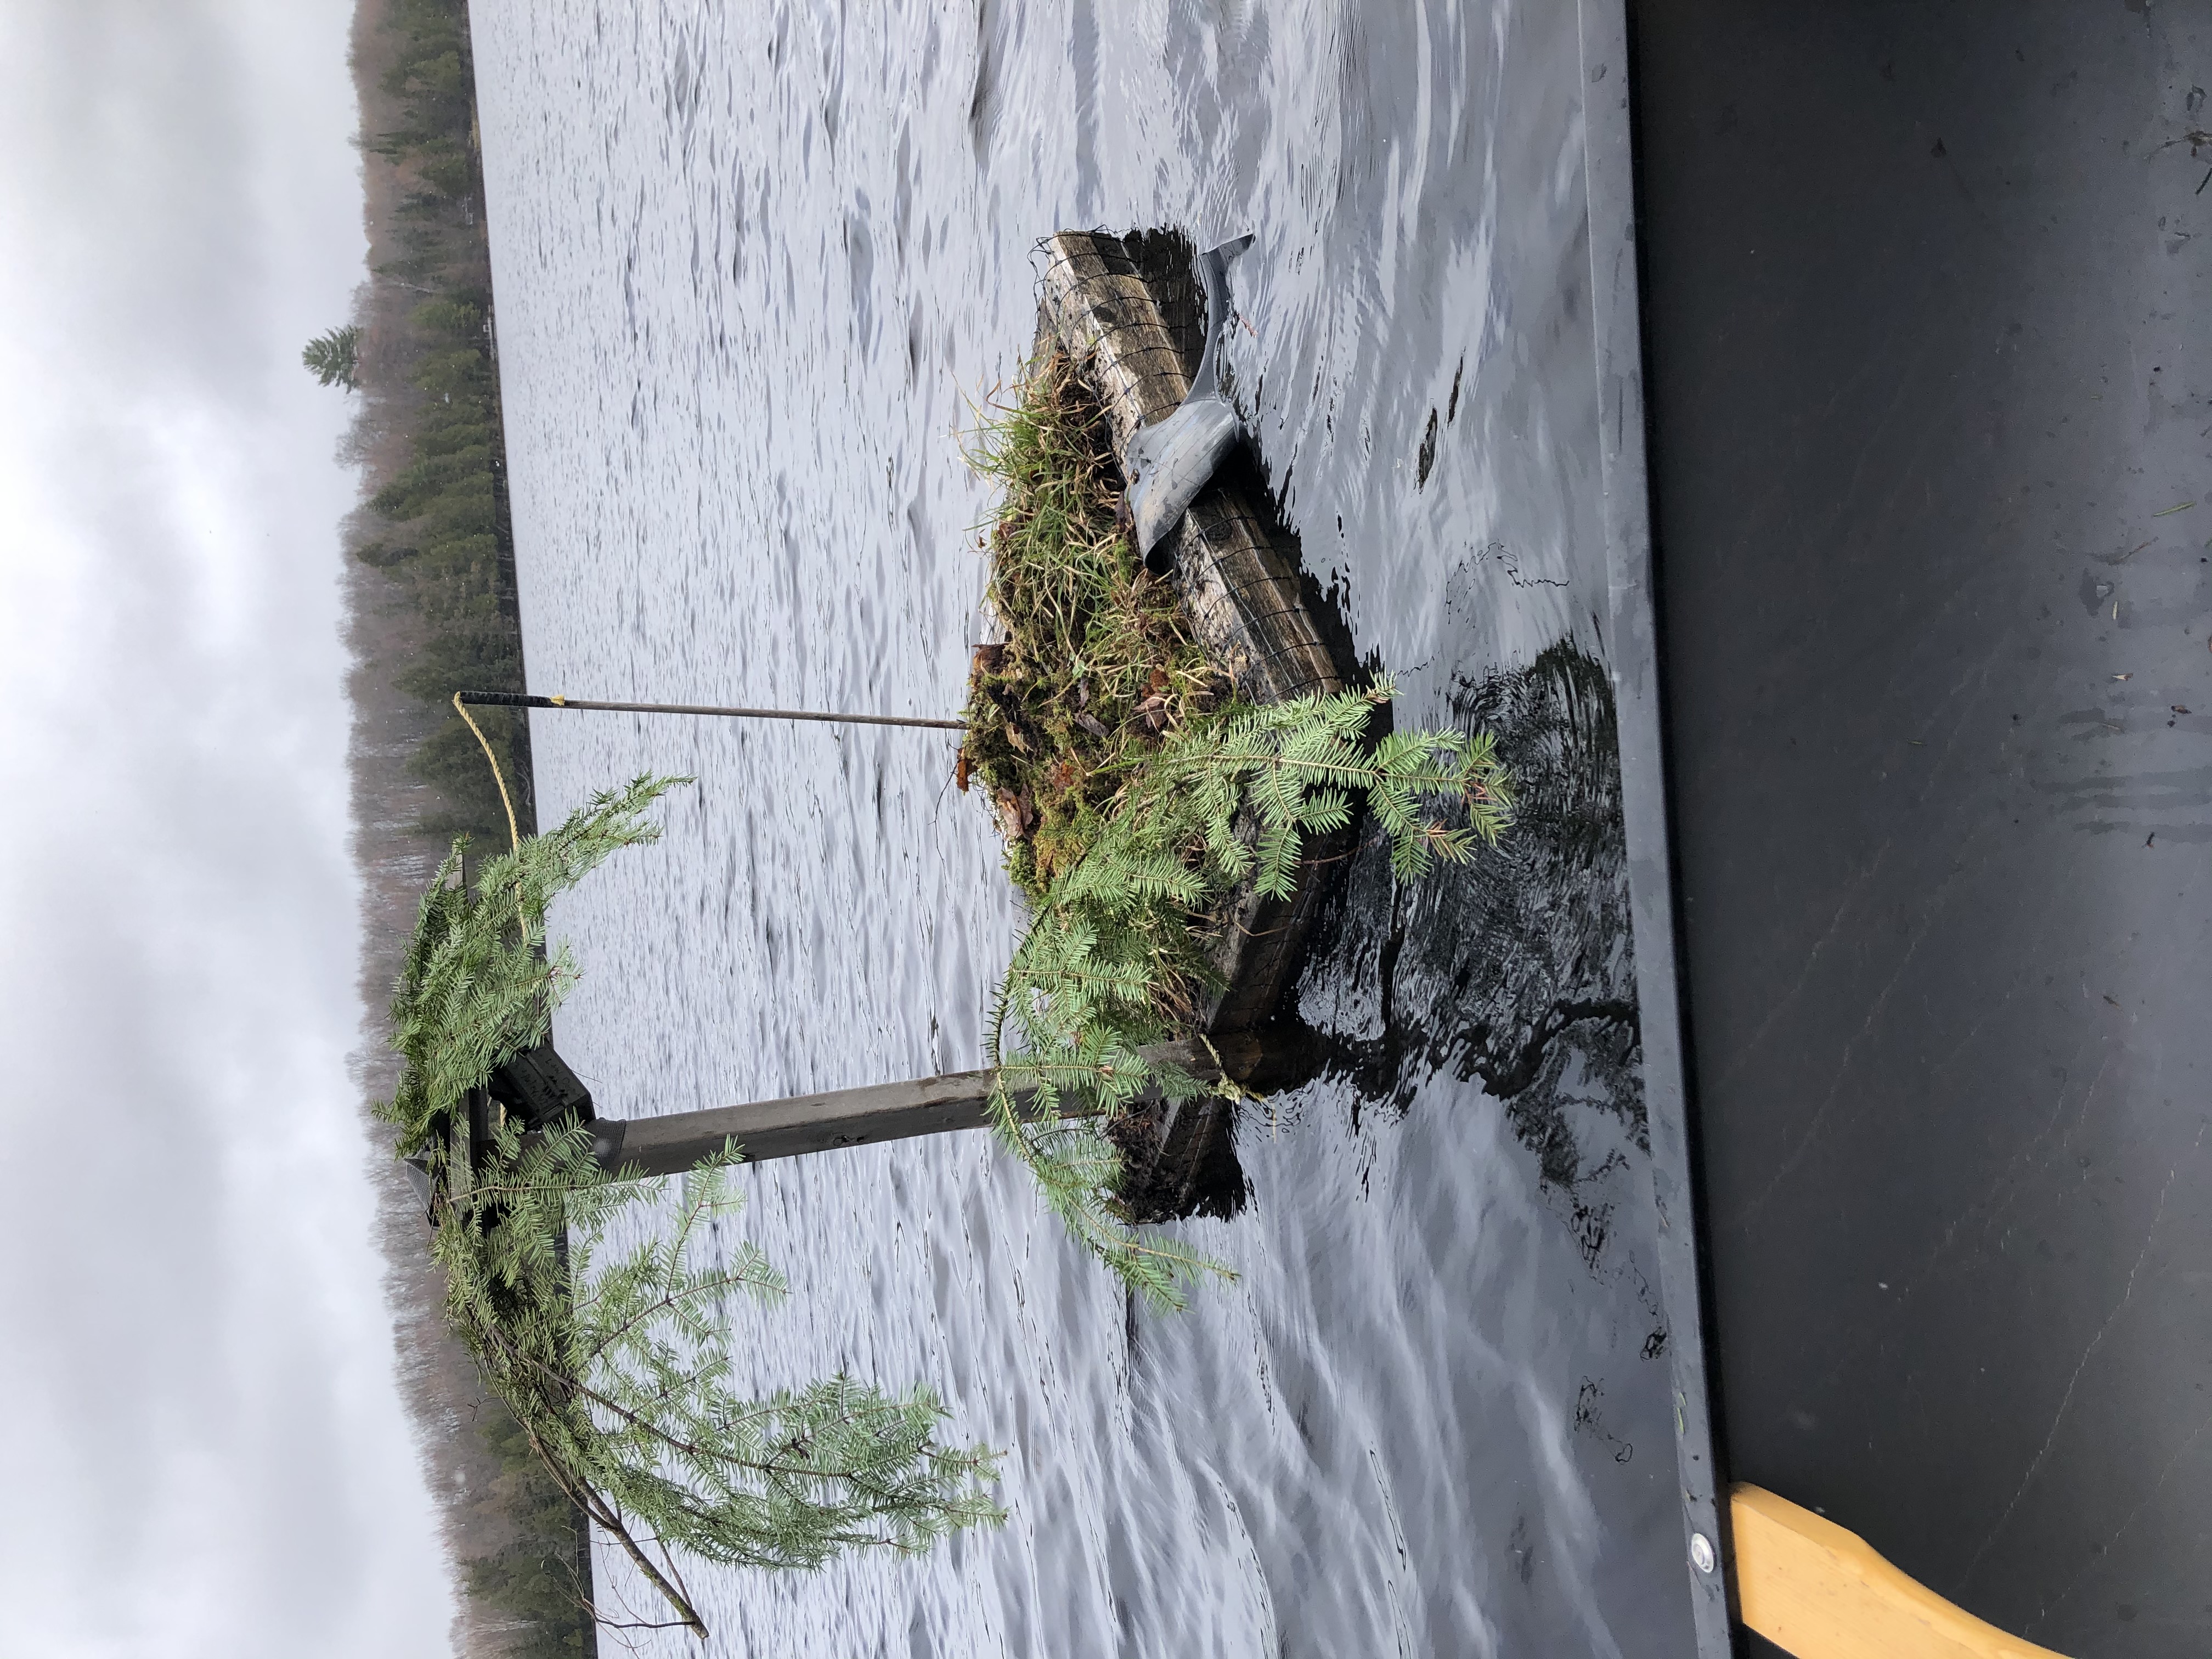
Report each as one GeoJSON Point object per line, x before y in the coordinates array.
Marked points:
{"type": "Point", "coordinates": [619, 1371]}
{"type": "Point", "coordinates": [1112, 960]}
{"type": "Point", "coordinates": [333, 357]}
{"type": "Point", "coordinates": [449, 319]}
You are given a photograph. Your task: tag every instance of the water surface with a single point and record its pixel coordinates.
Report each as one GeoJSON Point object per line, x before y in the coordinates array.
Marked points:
{"type": "Point", "coordinates": [755, 266]}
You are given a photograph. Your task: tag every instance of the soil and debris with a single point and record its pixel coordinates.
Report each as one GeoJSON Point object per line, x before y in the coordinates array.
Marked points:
{"type": "Point", "coordinates": [1097, 661]}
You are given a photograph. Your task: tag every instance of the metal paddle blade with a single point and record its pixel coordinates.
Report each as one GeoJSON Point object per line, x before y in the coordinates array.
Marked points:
{"type": "Point", "coordinates": [1170, 461]}
{"type": "Point", "coordinates": [1174, 460]}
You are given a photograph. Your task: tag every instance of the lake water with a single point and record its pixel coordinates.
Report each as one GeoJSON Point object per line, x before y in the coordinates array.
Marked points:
{"type": "Point", "coordinates": [755, 264]}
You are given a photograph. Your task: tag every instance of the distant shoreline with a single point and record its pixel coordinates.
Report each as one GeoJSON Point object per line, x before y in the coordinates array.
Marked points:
{"type": "Point", "coordinates": [430, 599]}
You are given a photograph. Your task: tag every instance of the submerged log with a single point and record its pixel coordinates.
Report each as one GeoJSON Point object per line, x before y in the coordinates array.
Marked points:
{"type": "Point", "coordinates": [1128, 329]}
{"type": "Point", "coordinates": [1128, 314]}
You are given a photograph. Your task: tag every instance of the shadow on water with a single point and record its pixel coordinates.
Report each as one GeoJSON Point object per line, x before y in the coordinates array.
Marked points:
{"type": "Point", "coordinates": [1515, 972]}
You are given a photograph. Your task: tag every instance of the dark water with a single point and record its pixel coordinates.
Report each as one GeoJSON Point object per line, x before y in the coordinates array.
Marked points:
{"type": "Point", "coordinates": [753, 263]}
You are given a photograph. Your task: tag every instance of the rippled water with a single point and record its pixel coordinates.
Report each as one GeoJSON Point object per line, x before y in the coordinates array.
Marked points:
{"type": "Point", "coordinates": [753, 265]}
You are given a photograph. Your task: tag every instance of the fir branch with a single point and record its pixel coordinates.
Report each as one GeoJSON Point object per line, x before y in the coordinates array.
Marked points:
{"type": "Point", "coordinates": [618, 1372]}
{"type": "Point", "coordinates": [1111, 960]}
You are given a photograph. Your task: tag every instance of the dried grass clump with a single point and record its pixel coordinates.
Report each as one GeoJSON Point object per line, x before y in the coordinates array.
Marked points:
{"type": "Point", "coordinates": [1098, 662]}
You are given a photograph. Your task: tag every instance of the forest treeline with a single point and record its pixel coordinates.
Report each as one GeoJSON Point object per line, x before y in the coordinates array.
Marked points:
{"type": "Point", "coordinates": [431, 600]}
{"type": "Point", "coordinates": [436, 527]}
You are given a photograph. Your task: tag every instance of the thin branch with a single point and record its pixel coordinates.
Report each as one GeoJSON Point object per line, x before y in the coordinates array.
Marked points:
{"type": "Point", "coordinates": [593, 1506]}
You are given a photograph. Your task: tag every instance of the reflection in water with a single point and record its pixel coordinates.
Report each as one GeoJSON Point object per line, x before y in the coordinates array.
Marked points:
{"type": "Point", "coordinates": [1514, 973]}
{"type": "Point", "coordinates": [1488, 969]}
{"type": "Point", "coordinates": [1531, 959]}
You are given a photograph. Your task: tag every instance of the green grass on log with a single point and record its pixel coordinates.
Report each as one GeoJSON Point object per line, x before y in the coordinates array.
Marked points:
{"type": "Point", "coordinates": [1098, 663]}
{"type": "Point", "coordinates": [1138, 797]}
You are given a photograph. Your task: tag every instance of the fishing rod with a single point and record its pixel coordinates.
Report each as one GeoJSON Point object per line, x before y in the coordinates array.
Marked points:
{"type": "Point", "coordinates": [531, 700]}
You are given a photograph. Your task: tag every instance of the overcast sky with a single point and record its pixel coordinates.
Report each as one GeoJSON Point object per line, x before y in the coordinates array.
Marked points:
{"type": "Point", "coordinates": [204, 1451]}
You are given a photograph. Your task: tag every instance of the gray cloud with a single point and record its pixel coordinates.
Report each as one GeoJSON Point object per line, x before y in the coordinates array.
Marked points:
{"type": "Point", "coordinates": [206, 1451]}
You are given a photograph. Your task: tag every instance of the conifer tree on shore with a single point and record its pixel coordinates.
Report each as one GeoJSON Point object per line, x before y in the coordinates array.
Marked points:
{"type": "Point", "coordinates": [333, 356]}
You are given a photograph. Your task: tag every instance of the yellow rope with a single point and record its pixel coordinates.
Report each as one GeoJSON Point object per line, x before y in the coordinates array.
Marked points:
{"type": "Point", "coordinates": [513, 833]}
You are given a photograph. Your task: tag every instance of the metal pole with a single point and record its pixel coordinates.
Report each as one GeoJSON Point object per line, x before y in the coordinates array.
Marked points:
{"type": "Point", "coordinates": [793, 1128]}
{"type": "Point", "coordinates": [529, 699]}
